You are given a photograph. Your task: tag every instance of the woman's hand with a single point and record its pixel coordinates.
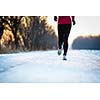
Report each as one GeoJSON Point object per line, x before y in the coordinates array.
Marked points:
{"type": "Point", "coordinates": [74, 22]}
{"type": "Point", "coordinates": [55, 18]}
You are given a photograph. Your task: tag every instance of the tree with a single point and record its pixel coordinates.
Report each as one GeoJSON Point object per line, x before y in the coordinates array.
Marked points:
{"type": "Point", "coordinates": [13, 23]}
{"type": "Point", "coordinates": [30, 32]}
{"type": "Point", "coordinates": [88, 42]}
{"type": "Point", "coordinates": [43, 35]}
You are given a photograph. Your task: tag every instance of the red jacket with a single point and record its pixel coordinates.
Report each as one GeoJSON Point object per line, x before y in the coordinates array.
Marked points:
{"type": "Point", "coordinates": [65, 19]}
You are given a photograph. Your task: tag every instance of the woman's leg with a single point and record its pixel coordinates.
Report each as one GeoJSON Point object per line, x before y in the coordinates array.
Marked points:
{"type": "Point", "coordinates": [67, 29]}
{"type": "Point", "coordinates": [60, 35]}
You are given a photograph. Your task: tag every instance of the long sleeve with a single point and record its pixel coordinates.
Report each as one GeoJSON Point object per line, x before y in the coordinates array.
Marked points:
{"type": "Point", "coordinates": [73, 18]}
{"type": "Point", "coordinates": [55, 18]}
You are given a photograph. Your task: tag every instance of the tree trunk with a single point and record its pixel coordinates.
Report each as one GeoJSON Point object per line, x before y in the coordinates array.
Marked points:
{"type": "Point", "coordinates": [15, 37]}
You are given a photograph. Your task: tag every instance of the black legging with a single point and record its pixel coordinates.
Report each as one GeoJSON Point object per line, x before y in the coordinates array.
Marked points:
{"type": "Point", "coordinates": [63, 34]}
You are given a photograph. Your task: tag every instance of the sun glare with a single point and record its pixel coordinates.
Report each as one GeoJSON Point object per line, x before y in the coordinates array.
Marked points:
{"type": "Point", "coordinates": [53, 23]}
{"type": "Point", "coordinates": [50, 20]}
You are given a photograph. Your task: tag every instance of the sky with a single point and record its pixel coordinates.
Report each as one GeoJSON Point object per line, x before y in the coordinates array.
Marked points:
{"type": "Point", "coordinates": [84, 25]}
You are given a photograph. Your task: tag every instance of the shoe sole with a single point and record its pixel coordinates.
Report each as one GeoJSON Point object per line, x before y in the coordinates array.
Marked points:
{"type": "Point", "coordinates": [59, 53]}
{"type": "Point", "coordinates": [64, 59]}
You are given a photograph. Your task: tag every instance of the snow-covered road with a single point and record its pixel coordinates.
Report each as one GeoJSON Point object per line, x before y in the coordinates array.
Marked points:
{"type": "Point", "coordinates": [47, 66]}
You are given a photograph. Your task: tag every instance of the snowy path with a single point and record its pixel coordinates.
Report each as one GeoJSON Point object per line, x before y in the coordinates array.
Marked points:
{"type": "Point", "coordinates": [47, 66]}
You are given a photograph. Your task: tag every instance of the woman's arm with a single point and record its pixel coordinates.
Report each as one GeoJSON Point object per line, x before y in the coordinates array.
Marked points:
{"type": "Point", "coordinates": [55, 18]}
{"type": "Point", "coordinates": [73, 20]}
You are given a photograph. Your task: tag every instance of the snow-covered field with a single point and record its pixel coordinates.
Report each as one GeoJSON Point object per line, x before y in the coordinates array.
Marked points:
{"type": "Point", "coordinates": [47, 66]}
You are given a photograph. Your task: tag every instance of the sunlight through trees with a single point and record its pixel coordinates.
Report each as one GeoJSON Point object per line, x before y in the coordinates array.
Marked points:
{"type": "Point", "coordinates": [26, 33]}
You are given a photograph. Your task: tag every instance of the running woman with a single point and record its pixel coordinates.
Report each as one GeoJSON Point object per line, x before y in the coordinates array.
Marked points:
{"type": "Point", "coordinates": [64, 28]}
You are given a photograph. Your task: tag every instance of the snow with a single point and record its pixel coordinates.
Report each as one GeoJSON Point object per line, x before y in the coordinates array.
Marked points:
{"type": "Point", "coordinates": [82, 66]}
